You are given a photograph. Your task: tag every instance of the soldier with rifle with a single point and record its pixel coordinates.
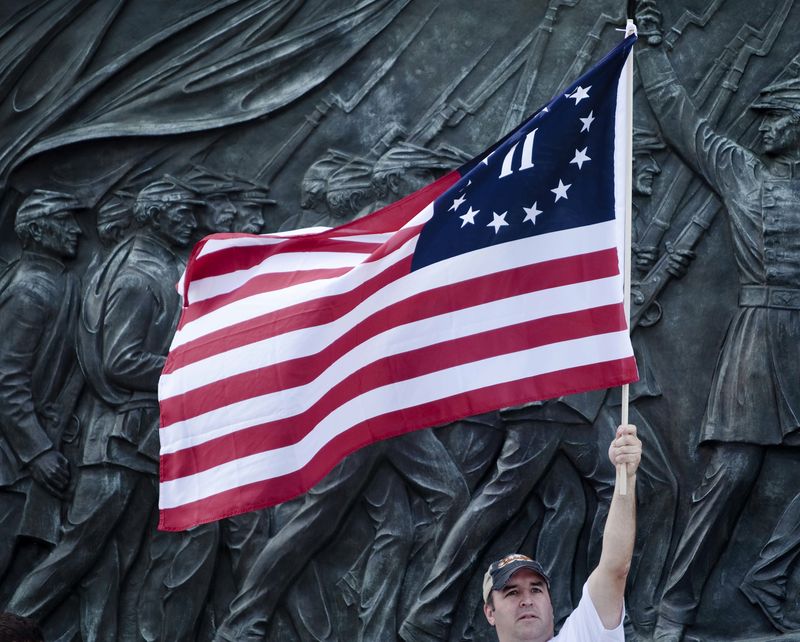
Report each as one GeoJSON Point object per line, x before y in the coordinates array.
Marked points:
{"type": "Point", "coordinates": [39, 382]}
{"type": "Point", "coordinates": [761, 195]}
{"type": "Point", "coordinates": [129, 314]}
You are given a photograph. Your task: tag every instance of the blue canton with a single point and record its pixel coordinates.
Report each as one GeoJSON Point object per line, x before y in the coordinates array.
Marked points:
{"type": "Point", "coordinates": [554, 172]}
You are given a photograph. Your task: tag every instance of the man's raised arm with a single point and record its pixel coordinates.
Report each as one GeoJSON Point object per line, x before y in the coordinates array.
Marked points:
{"type": "Point", "coordinates": [607, 582]}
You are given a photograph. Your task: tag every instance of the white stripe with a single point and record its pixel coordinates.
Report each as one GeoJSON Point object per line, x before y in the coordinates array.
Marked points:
{"type": "Point", "coordinates": [280, 263]}
{"type": "Point", "coordinates": [215, 245]}
{"type": "Point", "coordinates": [411, 336]}
{"type": "Point", "coordinates": [622, 162]}
{"type": "Point", "coordinates": [264, 303]}
{"type": "Point", "coordinates": [473, 264]}
{"type": "Point", "coordinates": [397, 396]}
{"type": "Point", "coordinates": [365, 238]}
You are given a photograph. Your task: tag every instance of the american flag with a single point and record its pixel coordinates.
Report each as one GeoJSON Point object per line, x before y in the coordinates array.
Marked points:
{"type": "Point", "coordinates": [496, 285]}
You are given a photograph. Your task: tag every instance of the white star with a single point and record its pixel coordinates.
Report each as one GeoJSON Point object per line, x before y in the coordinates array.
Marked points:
{"type": "Point", "coordinates": [498, 221]}
{"type": "Point", "coordinates": [469, 217]}
{"type": "Point", "coordinates": [531, 213]}
{"type": "Point", "coordinates": [580, 157]}
{"type": "Point", "coordinates": [457, 203]}
{"type": "Point", "coordinates": [580, 93]}
{"type": "Point", "coordinates": [561, 190]}
{"type": "Point", "coordinates": [587, 122]}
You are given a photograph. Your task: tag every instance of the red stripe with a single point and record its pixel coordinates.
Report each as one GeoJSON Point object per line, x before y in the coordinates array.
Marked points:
{"type": "Point", "coordinates": [258, 285]}
{"type": "Point", "coordinates": [458, 296]}
{"type": "Point", "coordinates": [233, 259]}
{"type": "Point", "coordinates": [400, 367]}
{"type": "Point", "coordinates": [271, 282]}
{"type": "Point", "coordinates": [301, 315]}
{"type": "Point", "coordinates": [279, 489]}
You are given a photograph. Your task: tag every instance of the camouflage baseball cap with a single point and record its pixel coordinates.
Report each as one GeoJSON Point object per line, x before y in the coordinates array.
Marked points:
{"type": "Point", "coordinates": [43, 203]}
{"type": "Point", "coordinates": [500, 572]}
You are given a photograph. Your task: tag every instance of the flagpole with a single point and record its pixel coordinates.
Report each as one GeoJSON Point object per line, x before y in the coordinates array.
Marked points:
{"type": "Point", "coordinates": [630, 28]}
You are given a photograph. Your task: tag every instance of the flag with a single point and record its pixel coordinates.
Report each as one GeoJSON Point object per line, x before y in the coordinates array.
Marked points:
{"type": "Point", "coordinates": [498, 284]}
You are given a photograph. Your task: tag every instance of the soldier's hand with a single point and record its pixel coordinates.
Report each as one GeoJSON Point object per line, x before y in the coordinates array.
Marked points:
{"type": "Point", "coordinates": [626, 449]}
{"type": "Point", "coordinates": [648, 21]}
{"type": "Point", "coordinates": [645, 256]}
{"type": "Point", "coordinates": [51, 470]}
{"type": "Point", "coordinates": [678, 262]}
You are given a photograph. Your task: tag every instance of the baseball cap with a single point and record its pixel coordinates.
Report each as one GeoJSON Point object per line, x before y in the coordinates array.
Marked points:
{"type": "Point", "coordinates": [501, 571]}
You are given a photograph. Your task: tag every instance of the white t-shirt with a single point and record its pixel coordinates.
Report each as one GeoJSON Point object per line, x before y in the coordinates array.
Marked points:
{"type": "Point", "coordinates": [584, 625]}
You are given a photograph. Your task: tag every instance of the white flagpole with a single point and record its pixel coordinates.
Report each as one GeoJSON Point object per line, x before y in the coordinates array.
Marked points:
{"type": "Point", "coordinates": [630, 28]}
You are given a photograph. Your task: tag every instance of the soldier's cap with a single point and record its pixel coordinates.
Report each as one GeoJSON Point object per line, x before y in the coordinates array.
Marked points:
{"type": "Point", "coordinates": [251, 192]}
{"type": "Point", "coordinates": [357, 174]}
{"type": "Point", "coordinates": [320, 170]}
{"type": "Point", "coordinates": [209, 182]}
{"type": "Point", "coordinates": [408, 155]}
{"type": "Point", "coordinates": [500, 572]}
{"type": "Point", "coordinates": [115, 208]}
{"type": "Point", "coordinates": [782, 95]}
{"type": "Point", "coordinates": [169, 189]}
{"type": "Point", "coordinates": [646, 140]}
{"type": "Point", "coordinates": [42, 203]}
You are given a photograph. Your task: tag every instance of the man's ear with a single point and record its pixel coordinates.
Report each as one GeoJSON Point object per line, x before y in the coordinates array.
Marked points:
{"type": "Point", "coordinates": [394, 183]}
{"type": "Point", "coordinates": [152, 214]}
{"type": "Point", "coordinates": [488, 611]}
{"type": "Point", "coordinates": [36, 231]}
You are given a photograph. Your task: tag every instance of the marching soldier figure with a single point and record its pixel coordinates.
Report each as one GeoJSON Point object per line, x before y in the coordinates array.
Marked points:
{"type": "Point", "coordinates": [754, 400]}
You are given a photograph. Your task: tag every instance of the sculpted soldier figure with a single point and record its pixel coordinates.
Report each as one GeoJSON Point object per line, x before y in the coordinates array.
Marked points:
{"type": "Point", "coordinates": [419, 458]}
{"type": "Point", "coordinates": [127, 322]}
{"type": "Point", "coordinates": [249, 201]}
{"type": "Point", "coordinates": [38, 311]}
{"type": "Point", "coordinates": [754, 400]}
{"type": "Point", "coordinates": [406, 168]}
{"type": "Point", "coordinates": [217, 213]}
{"type": "Point", "coordinates": [313, 191]}
{"type": "Point", "coordinates": [349, 191]}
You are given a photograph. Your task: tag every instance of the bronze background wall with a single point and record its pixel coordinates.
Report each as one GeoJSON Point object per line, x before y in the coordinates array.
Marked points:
{"type": "Point", "coordinates": [81, 114]}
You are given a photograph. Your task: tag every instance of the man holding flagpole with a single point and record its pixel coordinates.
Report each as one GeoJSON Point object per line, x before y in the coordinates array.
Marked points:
{"type": "Point", "coordinates": [498, 284]}
{"type": "Point", "coordinates": [516, 589]}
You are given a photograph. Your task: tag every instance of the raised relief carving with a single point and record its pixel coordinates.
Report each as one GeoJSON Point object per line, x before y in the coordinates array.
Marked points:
{"type": "Point", "coordinates": [129, 135]}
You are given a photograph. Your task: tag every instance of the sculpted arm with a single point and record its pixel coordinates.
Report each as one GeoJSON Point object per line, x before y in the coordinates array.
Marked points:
{"type": "Point", "coordinates": [129, 362]}
{"type": "Point", "coordinates": [607, 582]}
{"type": "Point", "coordinates": [21, 327]}
{"type": "Point", "coordinates": [722, 162]}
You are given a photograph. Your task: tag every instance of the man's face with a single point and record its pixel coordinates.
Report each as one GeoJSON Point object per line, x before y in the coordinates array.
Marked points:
{"type": "Point", "coordinates": [177, 223]}
{"type": "Point", "coordinates": [220, 213]}
{"type": "Point", "coordinates": [312, 197]}
{"type": "Point", "coordinates": [60, 234]}
{"type": "Point", "coordinates": [645, 170]}
{"type": "Point", "coordinates": [780, 132]}
{"type": "Point", "coordinates": [521, 611]}
{"type": "Point", "coordinates": [249, 218]}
